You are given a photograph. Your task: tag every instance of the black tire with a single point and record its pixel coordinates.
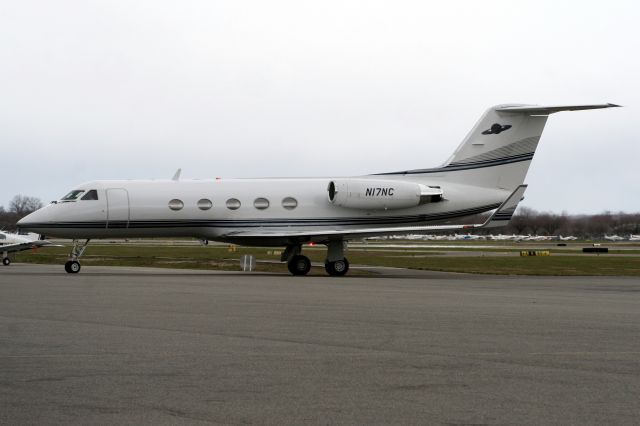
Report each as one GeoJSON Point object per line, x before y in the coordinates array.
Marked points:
{"type": "Point", "coordinates": [337, 268]}
{"type": "Point", "coordinates": [6, 261]}
{"type": "Point", "coordinates": [299, 265]}
{"type": "Point", "coordinates": [74, 267]}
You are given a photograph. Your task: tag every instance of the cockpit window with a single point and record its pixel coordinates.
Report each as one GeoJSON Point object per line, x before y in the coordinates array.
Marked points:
{"type": "Point", "coordinates": [90, 195]}
{"type": "Point", "coordinates": [73, 195]}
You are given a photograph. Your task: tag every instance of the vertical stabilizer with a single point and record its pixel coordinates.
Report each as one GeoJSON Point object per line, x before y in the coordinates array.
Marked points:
{"type": "Point", "coordinates": [498, 151]}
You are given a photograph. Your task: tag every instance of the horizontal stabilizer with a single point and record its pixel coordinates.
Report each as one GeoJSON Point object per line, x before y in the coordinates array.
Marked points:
{"type": "Point", "coordinates": [546, 110]}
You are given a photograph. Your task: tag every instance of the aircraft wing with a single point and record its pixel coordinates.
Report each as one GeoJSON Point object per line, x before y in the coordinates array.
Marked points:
{"type": "Point", "coordinates": [500, 217]}
{"type": "Point", "coordinates": [11, 248]}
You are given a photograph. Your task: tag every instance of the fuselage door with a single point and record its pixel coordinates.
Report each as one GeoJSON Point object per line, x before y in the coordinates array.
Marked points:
{"type": "Point", "coordinates": [117, 208]}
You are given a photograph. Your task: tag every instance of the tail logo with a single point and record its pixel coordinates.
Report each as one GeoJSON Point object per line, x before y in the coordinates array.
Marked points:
{"type": "Point", "coordinates": [496, 129]}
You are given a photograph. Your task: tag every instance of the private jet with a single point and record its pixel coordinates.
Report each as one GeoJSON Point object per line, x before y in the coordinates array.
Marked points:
{"type": "Point", "coordinates": [486, 172]}
{"type": "Point", "coordinates": [12, 243]}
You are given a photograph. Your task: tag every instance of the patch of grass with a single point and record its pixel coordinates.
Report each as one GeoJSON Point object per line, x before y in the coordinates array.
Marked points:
{"type": "Point", "coordinates": [516, 265]}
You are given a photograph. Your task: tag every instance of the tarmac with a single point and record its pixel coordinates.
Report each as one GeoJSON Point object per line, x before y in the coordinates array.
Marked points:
{"type": "Point", "coordinates": [154, 346]}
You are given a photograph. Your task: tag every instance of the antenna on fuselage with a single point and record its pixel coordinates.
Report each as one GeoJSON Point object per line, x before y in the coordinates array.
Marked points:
{"type": "Point", "coordinates": [176, 176]}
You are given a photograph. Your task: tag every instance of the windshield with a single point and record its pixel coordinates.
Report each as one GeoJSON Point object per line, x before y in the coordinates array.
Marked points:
{"type": "Point", "coordinates": [73, 195]}
{"type": "Point", "coordinates": [90, 195]}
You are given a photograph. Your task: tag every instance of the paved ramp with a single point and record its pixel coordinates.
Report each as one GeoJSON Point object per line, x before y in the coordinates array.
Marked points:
{"type": "Point", "coordinates": [150, 346]}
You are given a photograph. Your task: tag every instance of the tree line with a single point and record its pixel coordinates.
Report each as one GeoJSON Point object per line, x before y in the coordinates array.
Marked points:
{"type": "Point", "coordinates": [528, 221]}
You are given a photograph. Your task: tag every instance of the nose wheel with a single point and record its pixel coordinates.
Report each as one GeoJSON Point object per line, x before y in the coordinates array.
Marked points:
{"type": "Point", "coordinates": [6, 261]}
{"type": "Point", "coordinates": [72, 266]}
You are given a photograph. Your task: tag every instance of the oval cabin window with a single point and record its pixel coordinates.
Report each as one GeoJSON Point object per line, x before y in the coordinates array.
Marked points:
{"type": "Point", "coordinates": [261, 203]}
{"type": "Point", "coordinates": [233, 204]}
{"type": "Point", "coordinates": [289, 203]}
{"type": "Point", "coordinates": [176, 204]}
{"type": "Point", "coordinates": [204, 204]}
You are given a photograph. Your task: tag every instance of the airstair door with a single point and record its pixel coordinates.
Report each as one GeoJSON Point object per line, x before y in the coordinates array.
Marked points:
{"type": "Point", "coordinates": [117, 208]}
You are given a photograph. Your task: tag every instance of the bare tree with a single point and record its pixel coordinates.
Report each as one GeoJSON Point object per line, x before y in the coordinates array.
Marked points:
{"type": "Point", "coordinates": [22, 205]}
{"type": "Point", "coordinates": [7, 219]}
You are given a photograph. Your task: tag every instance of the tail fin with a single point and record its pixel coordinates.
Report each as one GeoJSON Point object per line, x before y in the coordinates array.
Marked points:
{"type": "Point", "coordinates": [499, 149]}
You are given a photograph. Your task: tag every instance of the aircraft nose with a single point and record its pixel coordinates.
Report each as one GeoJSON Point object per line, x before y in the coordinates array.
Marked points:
{"type": "Point", "coordinates": [33, 219]}
{"type": "Point", "coordinates": [26, 221]}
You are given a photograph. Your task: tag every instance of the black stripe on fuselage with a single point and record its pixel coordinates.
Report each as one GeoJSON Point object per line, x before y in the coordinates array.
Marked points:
{"type": "Point", "coordinates": [453, 167]}
{"type": "Point", "coordinates": [253, 223]}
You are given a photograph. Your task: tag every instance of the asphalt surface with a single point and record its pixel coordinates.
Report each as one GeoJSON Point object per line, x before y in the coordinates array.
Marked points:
{"type": "Point", "coordinates": [146, 346]}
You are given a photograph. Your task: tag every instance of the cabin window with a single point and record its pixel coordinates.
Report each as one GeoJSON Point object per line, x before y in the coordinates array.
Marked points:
{"type": "Point", "coordinates": [261, 203]}
{"type": "Point", "coordinates": [289, 203]}
{"type": "Point", "coordinates": [73, 195]}
{"type": "Point", "coordinates": [204, 204]}
{"type": "Point", "coordinates": [233, 204]}
{"type": "Point", "coordinates": [176, 204]}
{"type": "Point", "coordinates": [90, 195]}
{"type": "Point", "coordinates": [3, 237]}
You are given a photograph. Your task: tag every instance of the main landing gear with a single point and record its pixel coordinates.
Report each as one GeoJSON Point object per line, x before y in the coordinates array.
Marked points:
{"type": "Point", "coordinates": [296, 263]}
{"type": "Point", "coordinates": [5, 259]}
{"type": "Point", "coordinates": [299, 265]}
{"type": "Point", "coordinates": [73, 265]}
{"type": "Point", "coordinates": [336, 264]}
{"type": "Point", "coordinates": [337, 268]}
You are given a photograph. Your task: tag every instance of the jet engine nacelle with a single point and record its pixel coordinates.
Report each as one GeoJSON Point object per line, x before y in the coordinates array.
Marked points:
{"type": "Point", "coordinates": [369, 194]}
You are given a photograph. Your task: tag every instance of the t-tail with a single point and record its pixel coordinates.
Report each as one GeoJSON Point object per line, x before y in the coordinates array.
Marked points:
{"type": "Point", "coordinates": [498, 151]}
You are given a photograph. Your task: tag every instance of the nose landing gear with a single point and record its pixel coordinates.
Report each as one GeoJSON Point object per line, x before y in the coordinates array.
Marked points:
{"type": "Point", "coordinates": [72, 266]}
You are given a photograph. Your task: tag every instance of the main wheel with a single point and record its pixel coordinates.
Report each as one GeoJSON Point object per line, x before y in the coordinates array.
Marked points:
{"type": "Point", "coordinates": [6, 261]}
{"type": "Point", "coordinates": [299, 265]}
{"type": "Point", "coordinates": [337, 268]}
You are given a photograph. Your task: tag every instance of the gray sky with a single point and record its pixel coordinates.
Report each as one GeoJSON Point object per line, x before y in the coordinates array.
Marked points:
{"type": "Point", "coordinates": [135, 89]}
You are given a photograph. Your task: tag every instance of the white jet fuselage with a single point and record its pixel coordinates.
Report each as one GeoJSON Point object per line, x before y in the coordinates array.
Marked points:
{"type": "Point", "coordinates": [166, 208]}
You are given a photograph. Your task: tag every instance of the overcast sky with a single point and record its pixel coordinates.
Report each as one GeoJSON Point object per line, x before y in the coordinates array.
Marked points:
{"type": "Point", "coordinates": [135, 89]}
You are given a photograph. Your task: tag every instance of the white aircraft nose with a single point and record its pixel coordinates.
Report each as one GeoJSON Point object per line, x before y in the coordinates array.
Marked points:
{"type": "Point", "coordinates": [35, 218]}
{"type": "Point", "coordinates": [25, 221]}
